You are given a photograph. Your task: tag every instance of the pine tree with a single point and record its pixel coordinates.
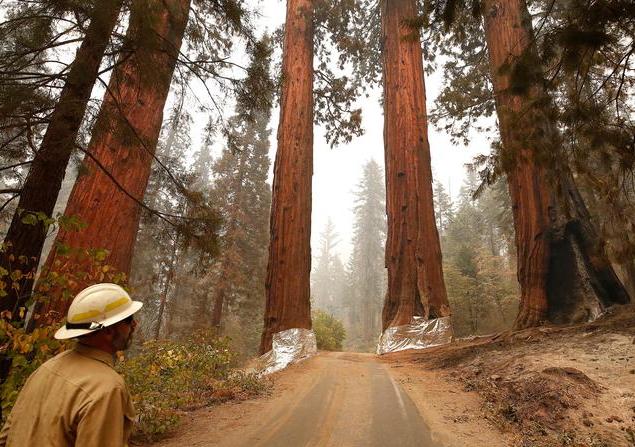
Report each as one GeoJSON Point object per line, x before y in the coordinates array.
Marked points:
{"type": "Point", "coordinates": [160, 252]}
{"type": "Point", "coordinates": [443, 207]}
{"type": "Point", "coordinates": [327, 275]}
{"type": "Point", "coordinates": [366, 266]}
{"type": "Point", "coordinates": [188, 263]}
{"type": "Point", "coordinates": [244, 198]}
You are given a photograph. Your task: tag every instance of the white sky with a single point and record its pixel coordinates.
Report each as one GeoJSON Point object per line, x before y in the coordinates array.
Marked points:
{"type": "Point", "coordinates": [337, 171]}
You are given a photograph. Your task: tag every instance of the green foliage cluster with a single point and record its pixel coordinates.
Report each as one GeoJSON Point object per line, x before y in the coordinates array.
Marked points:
{"type": "Point", "coordinates": [168, 377]}
{"type": "Point", "coordinates": [329, 332]}
{"type": "Point", "coordinates": [478, 254]}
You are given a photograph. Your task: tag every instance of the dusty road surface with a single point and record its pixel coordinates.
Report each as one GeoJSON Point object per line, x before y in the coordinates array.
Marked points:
{"type": "Point", "coordinates": [335, 399]}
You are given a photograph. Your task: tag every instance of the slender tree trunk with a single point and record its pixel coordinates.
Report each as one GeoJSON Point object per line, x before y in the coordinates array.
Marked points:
{"type": "Point", "coordinates": [126, 135]}
{"type": "Point", "coordinates": [492, 240]}
{"type": "Point", "coordinates": [169, 279]}
{"type": "Point", "coordinates": [217, 311]}
{"type": "Point", "coordinates": [227, 266]}
{"type": "Point", "coordinates": [224, 280]}
{"type": "Point", "coordinates": [44, 180]}
{"type": "Point", "coordinates": [413, 252]}
{"type": "Point", "coordinates": [563, 273]}
{"type": "Point", "coordinates": [288, 270]}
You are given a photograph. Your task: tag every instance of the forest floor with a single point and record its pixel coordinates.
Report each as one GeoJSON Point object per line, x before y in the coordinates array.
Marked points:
{"type": "Point", "coordinates": [550, 386]}
{"type": "Point", "coordinates": [542, 387]}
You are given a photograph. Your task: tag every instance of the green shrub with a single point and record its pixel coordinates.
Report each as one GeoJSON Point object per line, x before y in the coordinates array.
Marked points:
{"type": "Point", "coordinates": [169, 377]}
{"type": "Point", "coordinates": [329, 332]}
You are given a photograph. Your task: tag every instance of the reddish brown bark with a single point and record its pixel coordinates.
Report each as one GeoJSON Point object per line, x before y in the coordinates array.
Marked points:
{"type": "Point", "coordinates": [125, 136]}
{"type": "Point", "coordinates": [44, 180]}
{"type": "Point", "coordinates": [288, 270]}
{"type": "Point", "coordinates": [557, 245]}
{"type": "Point", "coordinates": [413, 252]}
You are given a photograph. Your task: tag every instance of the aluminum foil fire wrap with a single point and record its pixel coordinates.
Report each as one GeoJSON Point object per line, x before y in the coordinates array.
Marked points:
{"type": "Point", "coordinates": [419, 334]}
{"type": "Point", "coordinates": [290, 346]}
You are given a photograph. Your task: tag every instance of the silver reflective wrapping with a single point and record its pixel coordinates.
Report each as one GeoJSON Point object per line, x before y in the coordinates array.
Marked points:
{"type": "Point", "coordinates": [419, 334]}
{"type": "Point", "coordinates": [290, 346]}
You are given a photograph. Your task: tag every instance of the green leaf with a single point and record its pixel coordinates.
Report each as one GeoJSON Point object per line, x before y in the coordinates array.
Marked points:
{"type": "Point", "coordinates": [63, 249]}
{"type": "Point", "coordinates": [101, 254]}
{"type": "Point", "coordinates": [29, 219]}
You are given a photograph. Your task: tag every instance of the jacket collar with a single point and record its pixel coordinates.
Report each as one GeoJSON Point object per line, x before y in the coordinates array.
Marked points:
{"type": "Point", "coordinates": [96, 354]}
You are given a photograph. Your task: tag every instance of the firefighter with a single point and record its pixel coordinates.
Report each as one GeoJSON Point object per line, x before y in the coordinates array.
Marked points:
{"type": "Point", "coordinates": [77, 398]}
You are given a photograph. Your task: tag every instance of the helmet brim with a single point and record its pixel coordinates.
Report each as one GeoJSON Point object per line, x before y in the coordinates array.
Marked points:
{"type": "Point", "coordinates": [64, 333]}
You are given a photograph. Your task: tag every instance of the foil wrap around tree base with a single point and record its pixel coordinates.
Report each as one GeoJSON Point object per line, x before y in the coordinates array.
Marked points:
{"type": "Point", "coordinates": [289, 346]}
{"type": "Point", "coordinates": [419, 334]}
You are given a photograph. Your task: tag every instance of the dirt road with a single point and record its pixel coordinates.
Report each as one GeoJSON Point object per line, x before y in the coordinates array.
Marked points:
{"type": "Point", "coordinates": [354, 401]}
{"type": "Point", "coordinates": [334, 399]}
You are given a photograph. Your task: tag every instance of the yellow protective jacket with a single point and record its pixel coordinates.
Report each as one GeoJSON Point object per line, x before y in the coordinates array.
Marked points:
{"type": "Point", "coordinates": [74, 399]}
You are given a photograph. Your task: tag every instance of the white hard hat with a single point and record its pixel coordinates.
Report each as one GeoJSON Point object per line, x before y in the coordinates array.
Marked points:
{"type": "Point", "coordinates": [97, 307]}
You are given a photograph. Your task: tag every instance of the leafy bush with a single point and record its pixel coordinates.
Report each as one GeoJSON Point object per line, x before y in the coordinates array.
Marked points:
{"type": "Point", "coordinates": [329, 332]}
{"type": "Point", "coordinates": [168, 377]}
{"type": "Point", "coordinates": [23, 353]}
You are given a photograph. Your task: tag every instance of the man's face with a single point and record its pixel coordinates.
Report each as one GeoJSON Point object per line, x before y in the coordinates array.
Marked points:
{"type": "Point", "coordinates": [123, 333]}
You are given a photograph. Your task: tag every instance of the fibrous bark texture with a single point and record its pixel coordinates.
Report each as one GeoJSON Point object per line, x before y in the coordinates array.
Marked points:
{"type": "Point", "coordinates": [119, 157]}
{"type": "Point", "coordinates": [42, 185]}
{"type": "Point", "coordinates": [413, 252]}
{"type": "Point", "coordinates": [288, 270]}
{"type": "Point", "coordinates": [564, 274]}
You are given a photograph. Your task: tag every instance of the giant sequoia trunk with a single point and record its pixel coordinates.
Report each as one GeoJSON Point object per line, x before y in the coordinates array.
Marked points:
{"type": "Point", "coordinates": [563, 272]}
{"type": "Point", "coordinates": [413, 252]}
{"type": "Point", "coordinates": [24, 240]}
{"type": "Point", "coordinates": [289, 267]}
{"type": "Point", "coordinates": [125, 136]}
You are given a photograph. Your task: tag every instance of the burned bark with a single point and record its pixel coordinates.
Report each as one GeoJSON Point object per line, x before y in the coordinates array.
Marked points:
{"type": "Point", "coordinates": [413, 252]}
{"type": "Point", "coordinates": [288, 270]}
{"type": "Point", "coordinates": [26, 234]}
{"type": "Point", "coordinates": [563, 271]}
{"type": "Point", "coordinates": [125, 137]}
